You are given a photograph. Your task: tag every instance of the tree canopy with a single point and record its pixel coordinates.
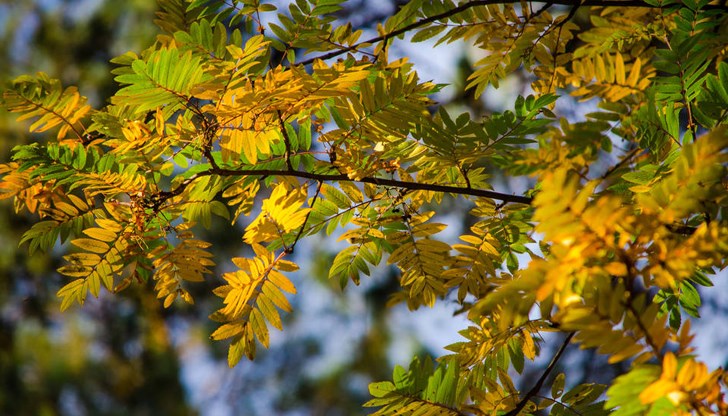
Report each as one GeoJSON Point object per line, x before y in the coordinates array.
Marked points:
{"type": "Point", "coordinates": [293, 123]}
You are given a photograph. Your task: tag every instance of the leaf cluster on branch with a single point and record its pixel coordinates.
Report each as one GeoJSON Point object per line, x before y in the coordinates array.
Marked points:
{"type": "Point", "coordinates": [221, 117]}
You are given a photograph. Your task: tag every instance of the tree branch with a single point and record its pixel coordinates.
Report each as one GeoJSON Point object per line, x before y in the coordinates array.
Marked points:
{"type": "Point", "coordinates": [465, 6]}
{"type": "Point", "coordinates": [535, 389]}
{"type": "Point", "coordinates": [158, 199]}
{"type": "Point", "coordinates": [322, 177]}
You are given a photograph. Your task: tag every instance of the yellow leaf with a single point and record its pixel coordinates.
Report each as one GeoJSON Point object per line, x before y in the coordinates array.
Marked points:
{"type": "Point", "coordinates": [276, 296]}
{"type": "Point", "coordinates": [83, 259]}
{"type": "Point", "coordinates": [236, 351]}
{"type": "Point", "coordinates": [169, 299]}
{"type": "Point", "coordinates": [639, 189]}
{"type": "Point", "coordinates": [75, 270]}
{"type": "Point", "coordinates": [232, 143]}
{"type": "Point", "coordinates": [619, 68]}
{"type": "Point", "coordinates": [107, 224]}
{"type": "Point", "coordinates": [227, 331]}
{"type": "Point", "coordinates": [280, 213]}
{"type": "Point", "coordinates": [529, 347]}
{"type": "Point", "coordinates": [67, 208]}
{"type": "Point", "coordinates": [266, 307]}
{"type": "Point", "coordinates": [286, 266]}
{"type": "Point", "coordinates": [91, 245]}
{"type": "Point", "coordinates": [185, 295]}
{"type": "Point", "coordinates": [73, 291]}
{"type": "Point", "coordinates": [600, 68]}
{"type": "Point", "coordinates": [260, 329]}
{"type": "Point", "coordinates": [669, 366]}
{"type": "Point", "coordinates": [634, 74]}
{"type": "Point", "coordinates": [657, 390]}
{"type": "Point", "coordinates": [281, 282]}
{"type": "Point", "coordinates": [100, 234]}
{"type": "Point", "coordinates": [78, 202]}
{"type": "Point", "coordinates": [693, 375]}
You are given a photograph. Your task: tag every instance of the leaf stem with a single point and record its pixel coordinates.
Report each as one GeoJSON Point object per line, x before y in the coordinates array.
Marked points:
{"type": "Point", "coordinates": [303, 226]}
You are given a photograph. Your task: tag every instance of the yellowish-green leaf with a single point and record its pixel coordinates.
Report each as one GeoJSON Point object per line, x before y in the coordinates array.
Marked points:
{"type": "Point", "coordinates": [88, 244]}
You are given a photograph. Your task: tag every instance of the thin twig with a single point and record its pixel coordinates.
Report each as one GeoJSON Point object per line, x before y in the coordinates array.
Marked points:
{"type": "Point", "coordinates": [308, 214]}
{"type": "Point", "coordinates": [625, 159]}
{"type": "Point", "coordinates": [539, 384]}
{"type": "Point", "coordinates": [638, 320]}
{"type": "Point", "coordinates": [286, 141]}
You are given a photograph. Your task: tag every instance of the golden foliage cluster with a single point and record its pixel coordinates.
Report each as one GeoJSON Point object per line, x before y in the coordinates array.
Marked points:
{"type": "Point", "coordinates": [627, 214]}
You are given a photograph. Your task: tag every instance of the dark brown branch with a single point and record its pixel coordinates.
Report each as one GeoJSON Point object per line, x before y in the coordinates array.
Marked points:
{"type": "Point", "coordinates": [681, 229]}
{"type": "Point", "coordinates": [158, 199]}
{"type": "Point", "coordinates": [465, 6]}
{"type": "Point", "coordinates": [209, 129]}
{"type": "Point", "coordinates": [540, 11]}
{"type": "Point", "coordinates": [539, 384]}
{"type": "Point", "coordinates": [638, 319]}
{"type": "Point", "coordinates": [570, 16]}
{"type": "Point", "coordinates": [632, 293]}
{"type": "Point", "coordinates": [414, 186]}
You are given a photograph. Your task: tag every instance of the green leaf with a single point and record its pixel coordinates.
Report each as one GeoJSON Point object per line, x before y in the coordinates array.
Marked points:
{"type": "Point", "coordinates": [557, 386]}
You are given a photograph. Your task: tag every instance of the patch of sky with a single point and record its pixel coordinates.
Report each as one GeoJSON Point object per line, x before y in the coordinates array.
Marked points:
{"type": "Point", "coordinates": [22, 38]}
{"type": "Point", "coordinates": [711, 330]}
{"type": "Point", "coordinates": [81, 10]}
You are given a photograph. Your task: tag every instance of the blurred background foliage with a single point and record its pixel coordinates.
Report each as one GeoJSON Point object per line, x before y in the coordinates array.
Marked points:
{"type": "Point", "coordinates": [114, 357]}
{"type": "Point", "coordinates": [124, 354]}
